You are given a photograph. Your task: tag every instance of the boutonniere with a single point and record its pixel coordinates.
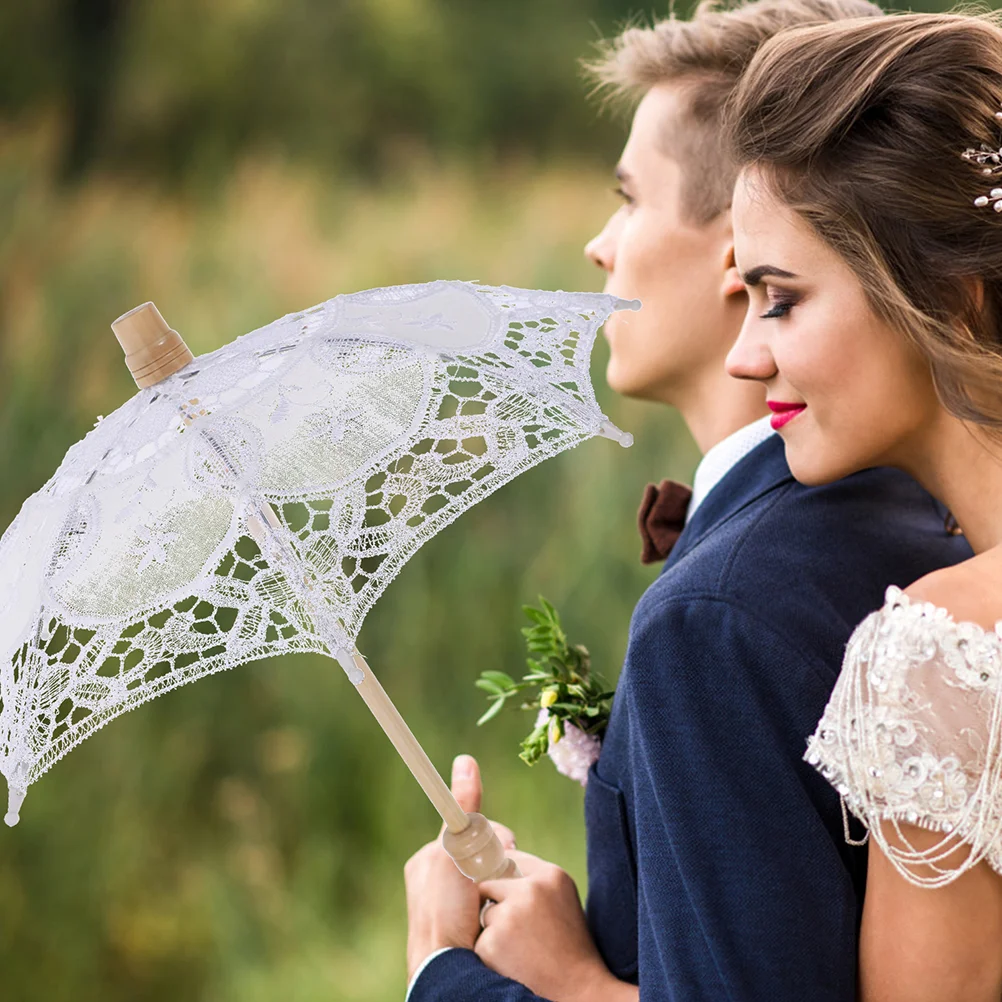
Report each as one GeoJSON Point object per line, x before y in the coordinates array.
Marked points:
{"type": "Point", "coordinates": [572, 702]}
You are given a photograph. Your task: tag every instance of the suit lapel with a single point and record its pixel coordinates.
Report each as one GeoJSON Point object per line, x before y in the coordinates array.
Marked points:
{"type": "Point", "coordinates": [764, 469]}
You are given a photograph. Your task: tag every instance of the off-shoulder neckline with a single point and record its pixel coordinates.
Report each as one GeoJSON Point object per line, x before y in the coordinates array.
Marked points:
{"type": "Point", "coordinates": [895, 596]}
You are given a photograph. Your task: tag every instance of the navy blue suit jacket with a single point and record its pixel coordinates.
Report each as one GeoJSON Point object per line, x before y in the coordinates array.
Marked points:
{"type": "Point", "coordinates": [717, 865]}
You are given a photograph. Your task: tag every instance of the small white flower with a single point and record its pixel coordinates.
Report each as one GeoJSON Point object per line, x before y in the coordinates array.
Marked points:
{"type": "Point", "coordinates": [574, 753]}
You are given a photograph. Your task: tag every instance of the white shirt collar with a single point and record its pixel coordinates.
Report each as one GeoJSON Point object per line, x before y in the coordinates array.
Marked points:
{"type": "Point", "coordinates": [725, 455]}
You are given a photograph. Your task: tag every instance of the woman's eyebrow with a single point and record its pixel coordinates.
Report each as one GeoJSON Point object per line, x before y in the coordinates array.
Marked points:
{"type": "Point", "coordinates": [756, 275]}
{"type": "Point", "coordinates": [622, 174]}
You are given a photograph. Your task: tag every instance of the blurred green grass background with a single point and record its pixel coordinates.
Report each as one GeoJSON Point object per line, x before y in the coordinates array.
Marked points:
{"type": "Point", "coordinates": [243, 839]}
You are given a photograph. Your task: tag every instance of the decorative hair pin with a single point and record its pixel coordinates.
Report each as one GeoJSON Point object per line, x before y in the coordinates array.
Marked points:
{"type": "Point", "coordinates": [991, 163]}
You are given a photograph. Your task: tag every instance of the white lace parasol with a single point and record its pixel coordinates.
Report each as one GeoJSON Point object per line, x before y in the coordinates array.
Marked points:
{"type": "Point", "coordinates": [261, 498]}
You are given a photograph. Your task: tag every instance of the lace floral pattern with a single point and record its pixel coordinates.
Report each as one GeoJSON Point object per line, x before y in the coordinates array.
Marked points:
{"type": "Point", "coordinates": [260, 500]}
{"type": "Point", "coordinates": [912, 734]}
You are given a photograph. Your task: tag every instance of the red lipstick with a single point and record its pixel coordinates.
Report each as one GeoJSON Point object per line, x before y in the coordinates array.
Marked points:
{"type": "Point", "coordinates": [783, 413]}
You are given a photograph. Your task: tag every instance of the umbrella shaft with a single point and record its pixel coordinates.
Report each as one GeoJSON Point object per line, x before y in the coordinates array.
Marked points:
{"type": "Point", "coordinates": [407, 746]}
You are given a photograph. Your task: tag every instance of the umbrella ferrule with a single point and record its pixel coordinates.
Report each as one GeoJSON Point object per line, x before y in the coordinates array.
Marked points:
{"type": "Point", "coordinates": [17, 788]}
{"type": "Point", "coordinates": [609, 430]}
{"type": "Point", "coordinates": [628, 304]}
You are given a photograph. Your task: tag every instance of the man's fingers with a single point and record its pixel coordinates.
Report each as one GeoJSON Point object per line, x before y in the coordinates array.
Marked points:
{"type": "Point", "coordinates": [466, 785]}
{"type": "Point", "coordinates": [468, 790]}
{"type": "Point", "coordinates": [505, 834]}
{"type": "Point", "coordinates": [529, 864]}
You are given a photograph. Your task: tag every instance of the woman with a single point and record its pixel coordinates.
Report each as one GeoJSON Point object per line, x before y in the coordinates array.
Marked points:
{"type": "Point", "coordinates": [866, 235]}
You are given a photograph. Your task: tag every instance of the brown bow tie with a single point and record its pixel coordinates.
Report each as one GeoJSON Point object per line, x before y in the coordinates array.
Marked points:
{"type": "Point", "coordinates": [661, 518]}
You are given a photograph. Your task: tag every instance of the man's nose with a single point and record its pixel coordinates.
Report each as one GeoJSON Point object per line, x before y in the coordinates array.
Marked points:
{"type": "Point", "coordinates": [598, 250]}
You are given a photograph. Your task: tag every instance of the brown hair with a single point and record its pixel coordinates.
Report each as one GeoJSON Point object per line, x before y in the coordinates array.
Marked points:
{"type": "Point", "coordinates": [708, 53]}
{"type": "Point", "coordinates": [860, 129]}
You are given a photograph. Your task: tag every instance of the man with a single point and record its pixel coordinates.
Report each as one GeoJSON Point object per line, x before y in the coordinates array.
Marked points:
{"type": "Point", "coordinates": [717, 864]}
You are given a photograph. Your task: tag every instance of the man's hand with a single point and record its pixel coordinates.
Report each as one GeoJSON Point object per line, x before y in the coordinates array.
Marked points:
{"type": "Point", "coordinates": [443, 905]}
{"type": "Point", "coordinates": [537, 935]}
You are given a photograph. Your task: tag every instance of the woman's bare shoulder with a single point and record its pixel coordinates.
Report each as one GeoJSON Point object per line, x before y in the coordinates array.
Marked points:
{"type": "Point", "coordinates": [970, 591]}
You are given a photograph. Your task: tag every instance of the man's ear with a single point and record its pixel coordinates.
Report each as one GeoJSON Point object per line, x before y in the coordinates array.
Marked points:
{"type": "Point", "coordinates": [732, 284]}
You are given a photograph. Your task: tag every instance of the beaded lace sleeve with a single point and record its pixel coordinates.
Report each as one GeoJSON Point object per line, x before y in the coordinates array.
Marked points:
{"type": "Point", "coordinates": [912, 734]}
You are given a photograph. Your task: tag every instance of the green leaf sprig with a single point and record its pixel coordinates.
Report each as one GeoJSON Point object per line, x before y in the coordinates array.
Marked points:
{"type": "Point", "coordinates": [560, 678]}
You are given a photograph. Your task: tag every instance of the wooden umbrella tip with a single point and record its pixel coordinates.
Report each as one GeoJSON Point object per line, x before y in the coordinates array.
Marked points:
{"type": "Point", "coordinates": [137, 309]}
{"type": "Point", "coordinates": [153, 351]}
{"type": "Point", "coordinates": [141, 326]}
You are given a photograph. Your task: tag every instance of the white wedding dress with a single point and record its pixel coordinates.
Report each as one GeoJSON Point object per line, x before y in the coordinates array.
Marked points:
{"type": "Point", "coordinates": [913, 733]}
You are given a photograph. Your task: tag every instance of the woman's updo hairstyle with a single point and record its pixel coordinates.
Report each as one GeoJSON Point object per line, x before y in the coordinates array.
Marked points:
{"type": "Point", "coordinates": [860, 127]}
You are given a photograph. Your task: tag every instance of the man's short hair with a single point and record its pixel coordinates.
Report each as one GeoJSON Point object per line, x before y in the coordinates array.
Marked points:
{"type": "Point", "coordinates": [707, 55]}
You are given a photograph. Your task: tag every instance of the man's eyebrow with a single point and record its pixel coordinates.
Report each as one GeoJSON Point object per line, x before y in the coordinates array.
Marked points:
{"type": "Point", "coordinates": [756, 275]}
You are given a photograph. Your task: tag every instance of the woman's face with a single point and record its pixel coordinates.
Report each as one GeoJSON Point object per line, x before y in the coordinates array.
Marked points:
{"type": "Point", "coordinates": [847, 392]}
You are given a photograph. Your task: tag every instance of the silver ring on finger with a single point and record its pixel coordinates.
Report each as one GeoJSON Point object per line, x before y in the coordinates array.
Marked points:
{"type": "Point", "coordinates": [483, 912]}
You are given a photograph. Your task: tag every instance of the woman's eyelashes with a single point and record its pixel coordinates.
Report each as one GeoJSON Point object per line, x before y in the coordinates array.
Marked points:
{"type": "Point", "coordinates": [627, 198]}
{"type": "Point", "coordinates": [780, 308]}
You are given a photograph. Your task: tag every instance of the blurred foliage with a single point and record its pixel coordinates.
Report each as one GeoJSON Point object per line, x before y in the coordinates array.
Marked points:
{"type": "Point", "coordinates": [178, 89]}
{"type": "Point", "coordinates": [243, 839]}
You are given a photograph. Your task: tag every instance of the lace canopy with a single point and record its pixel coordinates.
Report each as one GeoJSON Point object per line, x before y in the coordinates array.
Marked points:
{"type": "Point", "coordinates": [912, 734]}
{"type": "Point", "coordinates": [260, 500]}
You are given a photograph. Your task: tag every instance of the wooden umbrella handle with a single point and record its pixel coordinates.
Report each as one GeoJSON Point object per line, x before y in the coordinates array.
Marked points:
{"type": "Point", "coordinates": [478, 851]}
